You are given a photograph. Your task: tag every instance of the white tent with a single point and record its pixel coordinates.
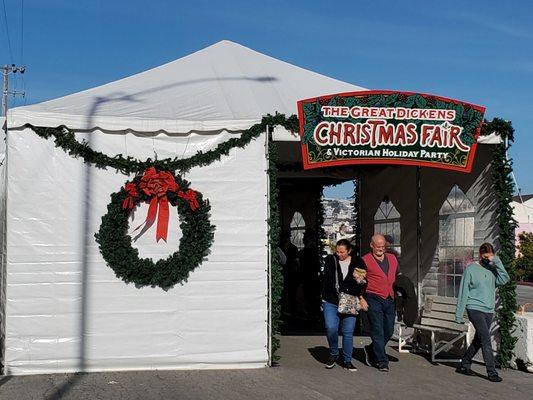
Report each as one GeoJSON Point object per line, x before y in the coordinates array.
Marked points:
{"type": "Point", "coordinates": [225, 86]}
{"type": "Point", "coordinates": [64, 309]}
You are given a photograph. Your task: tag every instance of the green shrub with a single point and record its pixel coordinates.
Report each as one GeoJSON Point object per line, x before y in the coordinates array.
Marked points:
{"type": "Point", "coordinates": [524, 261]}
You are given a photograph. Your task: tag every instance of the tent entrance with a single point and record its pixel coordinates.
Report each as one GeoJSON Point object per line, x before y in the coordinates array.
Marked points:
{"type": "Point", "coordinates": [310, 229]}
{"type": "Point", "coordinates": [299, 242]}
{"type": "Point", "coordinates": [301, 220]}
{"type": "Point", "coordinates": [304, 243]}
{"type": "Point", "coordinates": [434, 219]}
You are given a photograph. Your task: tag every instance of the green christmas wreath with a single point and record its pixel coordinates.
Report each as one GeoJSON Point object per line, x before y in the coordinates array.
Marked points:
{"type": "Point", "coordinates": [198, 234]}
{"type": "Point", "coordinates": [160, 189]}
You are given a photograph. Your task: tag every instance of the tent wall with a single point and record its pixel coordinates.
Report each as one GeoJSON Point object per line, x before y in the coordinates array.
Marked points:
{"type": "Point", "coordinates": [2, 259]}
{"type": "Point", "coordinates": [399, 184]}
{"type": "Point", "coordinates": [298, 196]}
{"type": "Point", "coordinates": [67, 311]}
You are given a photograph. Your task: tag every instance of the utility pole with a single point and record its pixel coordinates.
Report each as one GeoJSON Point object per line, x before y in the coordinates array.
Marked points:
{"type": "Point", "coordinates": [6, 70]}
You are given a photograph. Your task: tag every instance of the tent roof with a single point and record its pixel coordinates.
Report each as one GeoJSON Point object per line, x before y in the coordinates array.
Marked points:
{"type": "Point", "coordinates": [522, 198]}
{"type": "Point", "coordinates": [224, 86]}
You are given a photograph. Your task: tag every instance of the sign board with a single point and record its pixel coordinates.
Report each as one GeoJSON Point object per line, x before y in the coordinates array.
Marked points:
{"type": "Point", "coordinates": [389, 127]}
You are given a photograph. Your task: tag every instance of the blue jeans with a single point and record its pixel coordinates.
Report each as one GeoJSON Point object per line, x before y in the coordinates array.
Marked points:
{"type": "Point", "coordinates": [332, 320]}
{"type": "Point", "coordinates": [381, 313]}
{"type": "Point", "coordinates": [481, 321]}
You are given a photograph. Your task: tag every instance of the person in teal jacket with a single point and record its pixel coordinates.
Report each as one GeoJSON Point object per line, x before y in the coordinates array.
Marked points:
{"type": "Point", "coordinates": [477, 295]}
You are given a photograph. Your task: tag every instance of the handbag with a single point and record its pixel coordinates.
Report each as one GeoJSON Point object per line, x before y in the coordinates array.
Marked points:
{"type": "Point", "coordinates": [348, 303]}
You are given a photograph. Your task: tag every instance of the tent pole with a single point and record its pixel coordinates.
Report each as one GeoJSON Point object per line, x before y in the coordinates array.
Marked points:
{"type": "Point", "coordinates": [269, 260]}
{"type": "Point", "coordinates": [3, 244]}
{"type": "Point", "coordinates": [418, 236]}
{"type": "Point", "coordinates": [357, 203]}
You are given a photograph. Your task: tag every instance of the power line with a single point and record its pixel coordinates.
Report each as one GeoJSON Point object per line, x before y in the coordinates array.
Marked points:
{"type": "Point", "coordinates": [12, 69]}
{"type": "Point", "coordinates": [22, 50]}
{"type": "Point", "coordinates": [6, 71]}
{"type": "Point", "coordinates": [22, 33]}
{"type": "Point", "coordinates": [7, 32]}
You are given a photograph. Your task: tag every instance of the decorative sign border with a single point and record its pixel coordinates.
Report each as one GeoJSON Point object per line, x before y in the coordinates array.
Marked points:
{"type": "Point", "coordinates": [389, 127]}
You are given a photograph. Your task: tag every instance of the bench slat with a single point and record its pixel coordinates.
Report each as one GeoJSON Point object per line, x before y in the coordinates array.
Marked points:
{"type": "Point", "coordinates": [435, 329]}
{"type": "Point", "coordinates": [439, 315]}
{"type": "Point", "coordinates": [444, 307]}
{"type": "Point", "coordinates": [454, 326]}
{"type": "Point", "coordinates": [443, 300]}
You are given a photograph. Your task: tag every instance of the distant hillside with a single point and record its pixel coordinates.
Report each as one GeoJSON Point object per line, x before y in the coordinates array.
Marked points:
{"type": "Point", "coordinates": [337, 217]}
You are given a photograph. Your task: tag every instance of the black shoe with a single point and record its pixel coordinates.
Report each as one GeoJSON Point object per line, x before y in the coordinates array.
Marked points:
{"type": "Point", "coordinates": [383, 368]}
{"type": "Point", "coordinates": [368, 354]}
{"type": "Point", "coordinates": [464, 371]}
{"type": "Point", "coordinates": [349, 366]}
{"type": "Point", "coordinates": [495, 378]}
{"type": "Point", "coordinates": [332, 360]}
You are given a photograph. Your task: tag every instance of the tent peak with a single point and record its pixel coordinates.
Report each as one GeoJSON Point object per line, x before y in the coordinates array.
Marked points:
{"type": "Point", "coordinates": [227, 42]}
{"type": "Point", "coordinates": [223, 86]}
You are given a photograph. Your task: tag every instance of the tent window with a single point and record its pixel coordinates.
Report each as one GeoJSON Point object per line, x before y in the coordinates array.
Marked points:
{"type": "Point", "coordinates": [456, 241]}
{"type": "Point", "coordinates": [297, 230]}
{"type": "Point", "coordinates": [387, 223]}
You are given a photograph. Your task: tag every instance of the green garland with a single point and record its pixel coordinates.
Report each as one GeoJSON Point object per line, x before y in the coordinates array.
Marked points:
{"type": "Point", "coordinates": [66, 140]}
{"type": "Point", "coordinates": [502, 168]}
{"type": "Point", "coordinates": [117, 251]}
{"type": "Point", "coordinates": [276, 277]}
{"type": "Point", "coordinates": [321, 233]}
{"type": "Point", "coordinates": [503, 187]}
{"type": "Point", "coordinates": [109, 234]}
{"type": "Point", "coordinates": [356, 217]}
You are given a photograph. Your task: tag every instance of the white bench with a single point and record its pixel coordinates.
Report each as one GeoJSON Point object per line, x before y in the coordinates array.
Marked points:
{"type": "Point", "coordinates": [438, 318]}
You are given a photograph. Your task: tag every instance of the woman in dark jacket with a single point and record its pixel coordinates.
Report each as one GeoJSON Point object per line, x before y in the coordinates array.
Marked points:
{"type": "Point", "coordinates": [339, 277]}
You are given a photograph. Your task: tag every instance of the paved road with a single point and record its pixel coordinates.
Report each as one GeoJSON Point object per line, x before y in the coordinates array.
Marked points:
{"type": "Point", "coordinates": [300, 375]}
{"type": "Point", "coordinates": [524, 294]}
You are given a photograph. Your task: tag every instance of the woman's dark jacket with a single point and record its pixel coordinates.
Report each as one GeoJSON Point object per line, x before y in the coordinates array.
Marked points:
{"type": "Point", "coordinates": [347, 285]}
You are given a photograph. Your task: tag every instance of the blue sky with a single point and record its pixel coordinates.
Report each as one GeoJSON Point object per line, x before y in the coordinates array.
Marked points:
{"type": "Point", "coordinates": [476, 51]}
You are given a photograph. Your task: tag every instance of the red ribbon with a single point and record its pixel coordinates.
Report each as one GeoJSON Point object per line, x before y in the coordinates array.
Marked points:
{"type": "Point", "coordinates": [158, 208]}
{"type": "Point", "coordinates": [157, 185]}
{"type": "Point", "coordinates": [129, 202]}
{"type": "Point", "coordinates": [190, 196]}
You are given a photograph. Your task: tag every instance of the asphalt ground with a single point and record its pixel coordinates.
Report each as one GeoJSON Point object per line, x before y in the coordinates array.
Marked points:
{"type": "Point", "coordinates": [524, 293]}
{"type": "Point", "coordinates": [300, 375]}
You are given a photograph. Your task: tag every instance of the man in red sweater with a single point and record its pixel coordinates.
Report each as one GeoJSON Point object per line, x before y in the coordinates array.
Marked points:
{"type": "Point", "coordinates": [382, 268]}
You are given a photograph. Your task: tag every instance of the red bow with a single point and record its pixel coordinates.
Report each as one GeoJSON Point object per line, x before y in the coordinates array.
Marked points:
{"type": "Point", "coordinates": [190, 196]}
{"type": "Point", "coordinates": [157, 184]}
{"type": "Point", "coordinates": [129, 202]}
